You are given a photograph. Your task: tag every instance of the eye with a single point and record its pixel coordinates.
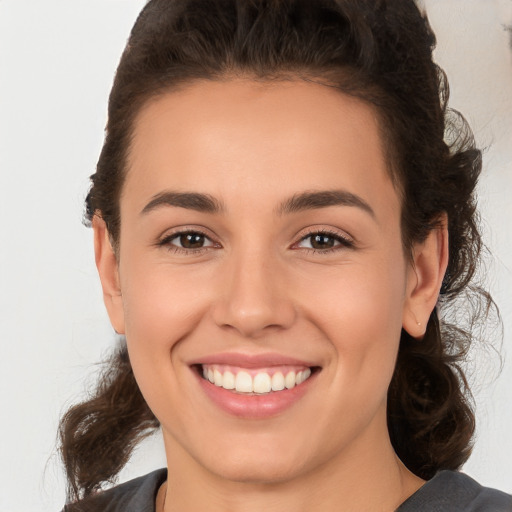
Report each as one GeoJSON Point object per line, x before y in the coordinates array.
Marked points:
{"type": "Point", "coordinates": [187, 241]}
{"type": "Point", "coordinates": [324, 241]}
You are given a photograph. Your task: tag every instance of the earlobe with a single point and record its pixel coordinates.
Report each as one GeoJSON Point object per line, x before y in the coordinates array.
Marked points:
{"type": "Point", "coordinates": [424, 279]}
{"type": "Point", "coordinates": [108, 270]}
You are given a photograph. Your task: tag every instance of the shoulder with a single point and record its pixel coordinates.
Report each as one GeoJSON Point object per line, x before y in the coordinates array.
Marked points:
{"type": "Point", "coordinates": [137, 495]}
{"type": "Point", "coordinates": [451, 491]}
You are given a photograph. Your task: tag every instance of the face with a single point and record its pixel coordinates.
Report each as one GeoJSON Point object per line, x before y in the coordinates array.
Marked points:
{"type": "Point", "coordinates": [260, 247]}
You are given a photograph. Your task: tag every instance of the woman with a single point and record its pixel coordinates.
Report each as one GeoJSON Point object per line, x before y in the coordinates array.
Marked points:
{"type": "Point", "coordinates": [279, 225]}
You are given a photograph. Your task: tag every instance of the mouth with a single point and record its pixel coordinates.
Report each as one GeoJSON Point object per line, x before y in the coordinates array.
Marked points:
{"type": "Point", "coordinates": [254, 386]}
{"type": "Point", "coordinates": [255, 381]}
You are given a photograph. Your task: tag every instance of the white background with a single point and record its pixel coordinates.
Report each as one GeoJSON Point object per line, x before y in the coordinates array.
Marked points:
{"type": "Point", "coordinates": [57, 60]}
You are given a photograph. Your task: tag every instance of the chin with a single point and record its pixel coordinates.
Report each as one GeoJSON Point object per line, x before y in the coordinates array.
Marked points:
{"type": "Point", "coordinates": [262, 461]}
{"type": "Point", "coordinates": [256, 471]}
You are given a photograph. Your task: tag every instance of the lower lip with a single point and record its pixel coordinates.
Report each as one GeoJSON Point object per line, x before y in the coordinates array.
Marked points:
{"type": "Point", "coordinates": [254, 406]}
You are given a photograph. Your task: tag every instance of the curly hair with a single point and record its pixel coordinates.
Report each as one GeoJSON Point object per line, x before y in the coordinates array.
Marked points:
{"type": "Point", "coordinates": [379, 51]}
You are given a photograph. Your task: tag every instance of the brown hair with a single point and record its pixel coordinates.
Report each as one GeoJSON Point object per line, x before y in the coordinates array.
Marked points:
{"type": "Point", "coordinates": [379, 51]}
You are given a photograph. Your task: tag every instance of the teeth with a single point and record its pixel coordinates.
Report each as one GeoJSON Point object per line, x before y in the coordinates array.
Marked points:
{"type": "Point", "coordinates": [262, 383]}
{"type": "Point", "coordinates": [289, 380]}
{"type": "Point", "coordinates": [259, 382]}
{"type": "Point", "coordinates": [243, 382]}
{"type": "Point", "coordinates": [302, 376]}
{"type": "Point", "coordinates": [277, 381]}
{"type": "Point", "coordinates": [217, 378]}
{"type": "Point", "coordinates": [228, 381]}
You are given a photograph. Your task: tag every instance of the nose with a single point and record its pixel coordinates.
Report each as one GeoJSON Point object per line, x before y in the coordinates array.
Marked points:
{"type": "Point", "coordinates": [254, 297]}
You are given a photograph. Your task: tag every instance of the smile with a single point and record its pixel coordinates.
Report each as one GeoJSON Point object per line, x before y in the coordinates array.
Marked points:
{"type": "Point", "coordinates": [254, 387]}
{"type": "Point", "coordinates": [255, 381]}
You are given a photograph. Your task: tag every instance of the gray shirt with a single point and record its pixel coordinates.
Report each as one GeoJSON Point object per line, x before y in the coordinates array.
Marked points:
{"type": "Point", "coordinates": [448, 491]}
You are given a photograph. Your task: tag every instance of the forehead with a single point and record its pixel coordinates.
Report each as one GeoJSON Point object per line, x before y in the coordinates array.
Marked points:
{"type": "Point", "coordinates": [240, 136]}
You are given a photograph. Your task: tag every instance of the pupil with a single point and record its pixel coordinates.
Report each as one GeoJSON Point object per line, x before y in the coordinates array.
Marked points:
{"type": "Point", "coordinates": [192, 241]}
{"type": "Point", "coordinates": [322, 242]}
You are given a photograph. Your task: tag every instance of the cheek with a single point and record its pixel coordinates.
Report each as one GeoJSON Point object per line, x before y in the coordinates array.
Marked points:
{"type": "Point", "coordinates": [160, 303]}
{"type": "Point", "coordinates": [162, 307]}
{"type": "Point", "coordinates": [360, 313]}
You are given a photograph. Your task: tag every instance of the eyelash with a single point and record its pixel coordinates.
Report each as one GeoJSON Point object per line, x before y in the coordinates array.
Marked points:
{"type": "Point", "coordinates": [166, 242]}
{"type": "Point", "coordinates": [343, 242]}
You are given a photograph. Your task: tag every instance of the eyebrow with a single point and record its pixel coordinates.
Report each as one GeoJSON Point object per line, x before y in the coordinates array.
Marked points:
{"type": "Point", "coordinates": [309, 200]}
{"type": "Point", "coordinates": [323, 199]}
{"type": "Point", "coordinates": [189, 200]}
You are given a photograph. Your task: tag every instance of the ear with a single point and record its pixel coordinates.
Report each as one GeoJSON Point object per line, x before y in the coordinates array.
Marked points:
{"type": "Point", "coordinates": [424, 279]}
{"type": "Point", "coordinates": [108, 269]}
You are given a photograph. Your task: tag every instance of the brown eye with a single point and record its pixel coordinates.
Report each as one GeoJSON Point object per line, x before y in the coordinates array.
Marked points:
{"type": "Point", "coordinates": [324, 242]}
{"type": "Point", "coordinates": [187, 241]}
{"type": "Point", "coordinates": [192, 240]}
{"type": "Point", "coordinates": [321, 241]}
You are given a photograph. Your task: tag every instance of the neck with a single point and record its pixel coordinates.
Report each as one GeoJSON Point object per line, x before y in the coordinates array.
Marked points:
{"type": "Point", "coordinates": [359, 479]}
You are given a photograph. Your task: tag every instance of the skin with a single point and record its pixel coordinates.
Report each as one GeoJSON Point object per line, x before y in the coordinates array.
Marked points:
{"type": "Point", "coordinates": [257, 286]}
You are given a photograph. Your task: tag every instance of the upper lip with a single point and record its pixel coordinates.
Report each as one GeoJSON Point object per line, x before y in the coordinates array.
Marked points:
{"type": "Point", "coordinates": [251, 360]}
